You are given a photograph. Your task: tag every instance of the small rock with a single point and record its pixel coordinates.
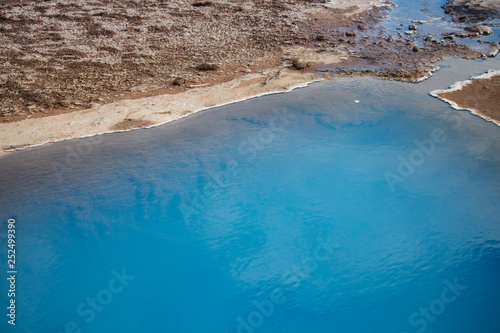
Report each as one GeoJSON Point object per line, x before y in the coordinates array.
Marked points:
{"type": "Point", "coordinates": [321, 38]}
{"type": "Point", "coordinates": [361, 27]}
{"type": "Point", "coordinates": [480, 29]}
{"type": "Point", "coordinates": [350, 33]}
{"type": "Point", "coordinates": [300, 64]}
{"type": "Point", "coordinates": [415, 49]}
{"type": "Point", "coordinates": [203, 3]}
{"type": "Point", "coordinates": [420, 21]}
{"type": "Point", "coordinates": [208, 67]}
{"type": "Point", "coordinates": [493, 53]}
{"type": "Point", "coordinates": [449, 37]}
{"type": "Point", "coordinates": [412, 27]}
{"type": "Point", "coordinates": [179, 81]}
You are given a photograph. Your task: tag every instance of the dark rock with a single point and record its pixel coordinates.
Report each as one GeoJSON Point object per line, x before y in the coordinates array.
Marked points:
{"type": "Point", "coordinates": [361, 27]}
{"type": "Point", "coordinates": [465, 12]}
{"type": "Point", "coordinates": [493, 53]}
{"type": "Point", "coordinates": [202, 3]}
{"type": "Point", "coordinates": [300, 64]}
{"type": "Point", "coordinates": [415, 49]}
{"type": "Point", "coordinates": [321, 38]}
{"type": "Point", "coordinates": [480, 29]}
{"type": "Point", "coordinates": [350, 33]}
{"type": "Point", "coordinates": [431, 39]}
{"type": "Point", "coordinates": [412, 27]}
{"type": "Point", "coordinates": [208, 67]}
{"type": "Point", "coordinates": [179, 81]}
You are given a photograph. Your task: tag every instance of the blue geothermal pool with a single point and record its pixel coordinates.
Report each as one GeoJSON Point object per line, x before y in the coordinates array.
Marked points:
{"type": "Point", "coordinates": [352, 205]}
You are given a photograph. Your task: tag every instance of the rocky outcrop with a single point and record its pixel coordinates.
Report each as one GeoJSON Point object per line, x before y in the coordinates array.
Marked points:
{"type": "Point", "coordinates": [179, 81]}
{"type": "Point", "coordinates": [202, 3]}
{"type": "Point", "coordinates": [208, 67]}
{"type": "Point", "coordinates": [300, 64]}
{"type": "Point", "coordinates": [472, 10]}
{"type": "Point", "coordinates": [480, 29]}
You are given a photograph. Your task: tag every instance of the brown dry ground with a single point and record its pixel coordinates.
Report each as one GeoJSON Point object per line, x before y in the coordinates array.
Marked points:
{"type": "Point", "coordinates": [72, 55]}
{"type": "Point", "coordinates": [482, 95]}
{"type": "Point", "coordinates": [66, 56]}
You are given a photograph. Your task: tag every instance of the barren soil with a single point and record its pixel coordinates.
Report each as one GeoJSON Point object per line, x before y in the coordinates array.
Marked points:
{"type": "Point", "coordinates": [482, 96]}
{"type": "Point", "coordinates": [71, 55]}
{"type": "Point", "coordinates": [66, 55]}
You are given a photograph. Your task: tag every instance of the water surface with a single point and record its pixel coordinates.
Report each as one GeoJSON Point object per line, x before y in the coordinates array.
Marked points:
{"type": "Point", "coordinates": [278, 214]}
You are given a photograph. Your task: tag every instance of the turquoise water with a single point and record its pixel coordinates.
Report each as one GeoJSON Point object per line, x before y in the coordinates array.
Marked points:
{"type": "Point", "coordinates": [299, 212]}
